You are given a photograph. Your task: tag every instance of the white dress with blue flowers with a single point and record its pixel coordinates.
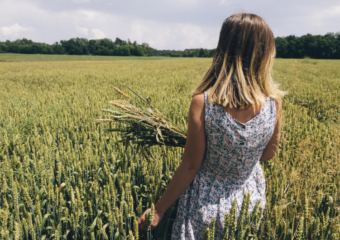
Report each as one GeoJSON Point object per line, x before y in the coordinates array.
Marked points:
{"type": "Point", "coordinates": [230, 168]}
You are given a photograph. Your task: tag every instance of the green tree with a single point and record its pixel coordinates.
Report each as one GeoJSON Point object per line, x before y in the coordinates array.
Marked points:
{"type": "Point", "coordinates": [123, 50]}
{"type": "Point", "coordinates": [57, 48]}
{"type": "Point", "coordinates": [281, 47]}
{"type": "Point", "coordinates": [201, 53]}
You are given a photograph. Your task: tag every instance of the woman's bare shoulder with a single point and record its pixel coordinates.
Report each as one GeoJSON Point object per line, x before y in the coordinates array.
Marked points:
{"type": "Point", "coordinates": [198, 99]}
{"type": "Point", "coordinates": [197, 106]}
{"type": "Point", "coordinates": [278, 103]}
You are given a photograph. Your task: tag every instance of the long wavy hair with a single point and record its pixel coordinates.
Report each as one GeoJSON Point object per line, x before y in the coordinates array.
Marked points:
{"type": "Point", "coordinates": [241, 70]}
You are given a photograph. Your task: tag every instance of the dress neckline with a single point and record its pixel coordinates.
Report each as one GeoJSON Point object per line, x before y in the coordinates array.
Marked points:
{"type": "Point", "coordinates": [254, 118]}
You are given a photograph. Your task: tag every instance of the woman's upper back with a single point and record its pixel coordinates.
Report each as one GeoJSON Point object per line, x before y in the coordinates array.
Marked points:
{"type": "Point", "coordinates": [245, 115]}
{"type": "Point", "coordinates": [233, 146]}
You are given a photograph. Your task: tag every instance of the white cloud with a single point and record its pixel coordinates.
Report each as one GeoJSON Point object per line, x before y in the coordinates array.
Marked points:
{"type": "Point", "coordinates": [195, 36]}
{"type": "Point", "coordinates": [327, 13]}
{"type": "Point", "coordinates": [12, 31]}
{"type": "Point", "coordinates": [225, 2]}
{"type": "Point", "coordinates": [98, 34]}
{"type": "Point", "coordinates": [82, 30]}
{"type": "Point", "coordinates": [90, 15]}
{"type": "Point", "coordinates": [173, 36]}
{"type": "Point", "coordinates": [182, 2]}
{"type": "Point", "coordinates": [176, 24]}
{"type": "Point", "coordinates": [80, 1]}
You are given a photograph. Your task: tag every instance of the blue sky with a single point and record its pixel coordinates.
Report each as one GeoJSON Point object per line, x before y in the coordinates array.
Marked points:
{"type": "Point", "coordinates": [163, 24]}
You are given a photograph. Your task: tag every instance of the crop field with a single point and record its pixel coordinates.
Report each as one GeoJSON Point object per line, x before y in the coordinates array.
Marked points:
{"type": "Point", "coordinates": [63, 177]}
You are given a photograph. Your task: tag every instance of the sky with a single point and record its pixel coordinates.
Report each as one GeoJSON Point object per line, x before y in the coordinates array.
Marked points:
{"type": "Point", "coordinates": [163, 24]}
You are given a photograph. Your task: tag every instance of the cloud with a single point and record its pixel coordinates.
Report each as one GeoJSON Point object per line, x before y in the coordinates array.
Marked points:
{"type": "Point", "coordinates": [327, 13]}
{"type": "Point", "coordinates": [80, 1]}
{"type": "Point", "coordinates": [13, 31]}
{"type": "Point", "coordinates": [175, 25]}
{"type": "Point", "coordinates": [98, 34]}
{"type": "Point", "coordinates": [225, 2]}
{"type": "Point", "coordinates": [182, 2]}
{"type": "Point", "coordinates": [172, 36]}
{"type": "Point", "coordinates": [82, 30]}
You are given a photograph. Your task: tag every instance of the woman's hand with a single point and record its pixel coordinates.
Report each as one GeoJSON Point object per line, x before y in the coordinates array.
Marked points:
{"type": "Point", "coordinates": [155, 220]}
{"type": "Point", "coordinates": [191, 162]}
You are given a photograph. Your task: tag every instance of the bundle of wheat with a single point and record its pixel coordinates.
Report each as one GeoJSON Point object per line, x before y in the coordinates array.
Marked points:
{"type": "Point", "coordinates": [142, 123]}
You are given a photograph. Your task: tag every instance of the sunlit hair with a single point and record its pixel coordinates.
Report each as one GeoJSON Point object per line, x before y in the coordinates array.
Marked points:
{"type": "Point", "coordinates": [242, 64]}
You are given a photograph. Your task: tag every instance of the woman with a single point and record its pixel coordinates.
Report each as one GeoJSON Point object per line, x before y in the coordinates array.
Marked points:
{"type": "Point", "coordinates": [234, 122]}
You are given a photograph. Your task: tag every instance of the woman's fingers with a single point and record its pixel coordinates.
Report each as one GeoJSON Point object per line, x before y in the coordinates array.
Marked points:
{"type": "Point", "coordinates": [142, 226]}
{"type": "Point", "coordinates": [155, 221]}
{"type": "Point", "coordinates": [141, 222]}
{"type": "Point", "coordinates": [141, 219]}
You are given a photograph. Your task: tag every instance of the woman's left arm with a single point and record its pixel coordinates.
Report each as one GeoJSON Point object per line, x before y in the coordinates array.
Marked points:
{"type": "Point", "coordinates": [191, 162]}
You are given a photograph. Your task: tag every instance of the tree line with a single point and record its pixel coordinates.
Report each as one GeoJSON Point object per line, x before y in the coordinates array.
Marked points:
{"type": "Point", "coordinates": [79, 46]}
{"type": "Point", "coordinates": [106, 47]}
{"type": "Point", "coordinates": [314, 46]}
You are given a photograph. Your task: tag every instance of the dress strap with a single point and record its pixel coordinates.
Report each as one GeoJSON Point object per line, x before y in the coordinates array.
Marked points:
{"type": "Point", "coordinates": [273, 107]}
{"type": "Point", "coordinates": [207, 106]}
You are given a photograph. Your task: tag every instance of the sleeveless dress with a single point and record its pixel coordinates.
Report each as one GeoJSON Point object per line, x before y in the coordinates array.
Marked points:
{"type": "Point", "coordinates": [230, 168]}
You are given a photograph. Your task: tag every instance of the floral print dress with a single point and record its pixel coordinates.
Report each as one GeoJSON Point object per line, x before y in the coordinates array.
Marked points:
{"type": "Point", "coordinates": [230, 168]}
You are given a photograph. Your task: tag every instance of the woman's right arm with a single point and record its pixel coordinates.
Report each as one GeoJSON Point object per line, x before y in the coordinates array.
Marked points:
{"type": "Point", "coordinates": [273, 144]}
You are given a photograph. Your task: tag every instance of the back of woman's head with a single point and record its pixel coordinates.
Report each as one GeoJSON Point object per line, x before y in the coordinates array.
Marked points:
{"type": "Point", "coordinates": [240, 73]}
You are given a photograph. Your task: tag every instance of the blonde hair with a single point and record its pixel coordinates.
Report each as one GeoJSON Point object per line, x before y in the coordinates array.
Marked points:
{"type": "Point", "coordinates": [242, 64]}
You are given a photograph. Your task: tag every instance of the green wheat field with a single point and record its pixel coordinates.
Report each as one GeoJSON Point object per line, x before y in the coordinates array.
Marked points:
{"type": "Point", "coordinates": [63, 177]}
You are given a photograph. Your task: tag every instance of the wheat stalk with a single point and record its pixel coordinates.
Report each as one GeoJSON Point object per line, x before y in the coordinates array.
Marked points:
{"type": "Point", "coordinates": [143, 124]}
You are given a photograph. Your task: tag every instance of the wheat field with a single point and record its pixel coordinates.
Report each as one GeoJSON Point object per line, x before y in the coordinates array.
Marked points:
{"type": "Point", "coordinates": [63, 177]}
